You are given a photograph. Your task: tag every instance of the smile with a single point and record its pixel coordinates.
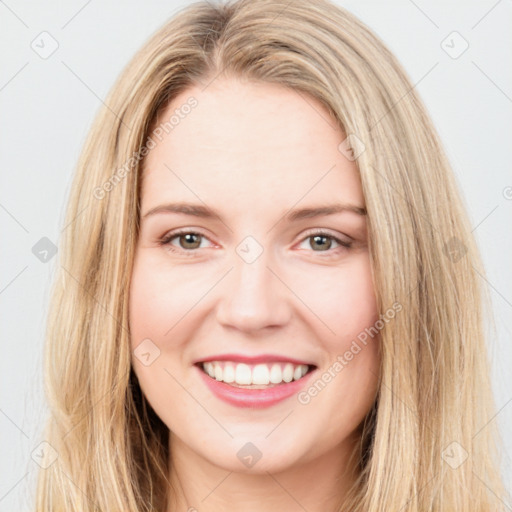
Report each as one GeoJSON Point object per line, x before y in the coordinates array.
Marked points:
{"type": "Point", "coordinates": [243, 374]}
{"type": "Point", "coordinates": [254, 385]}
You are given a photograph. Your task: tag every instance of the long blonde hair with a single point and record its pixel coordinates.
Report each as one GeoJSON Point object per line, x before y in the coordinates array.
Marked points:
{"type": "Point", "coordinates": [430, 442]}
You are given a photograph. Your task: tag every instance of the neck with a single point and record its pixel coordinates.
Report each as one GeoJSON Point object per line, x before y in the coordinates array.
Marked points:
{"type": "Point", "coordinates": [317, 485]}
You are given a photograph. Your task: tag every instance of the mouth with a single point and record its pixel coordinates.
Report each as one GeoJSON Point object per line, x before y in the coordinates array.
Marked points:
{"type": "Point", "coordinates": [254, 381]}
{"type": "Point", "coordinates": [255, 376]}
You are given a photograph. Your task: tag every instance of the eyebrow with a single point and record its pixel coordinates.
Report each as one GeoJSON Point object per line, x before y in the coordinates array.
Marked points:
{"type": "Point", "coordinates": [206, 212]}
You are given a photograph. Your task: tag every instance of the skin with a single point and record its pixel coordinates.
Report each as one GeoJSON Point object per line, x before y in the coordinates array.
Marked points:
{"type": "Point", "coordinates": [254, 151]}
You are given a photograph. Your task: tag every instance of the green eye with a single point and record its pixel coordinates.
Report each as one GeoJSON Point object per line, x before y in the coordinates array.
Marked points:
{"type": "Point", "coordinates": [323, 242]}
{"type": "Point", "coordinates": [190, 241]}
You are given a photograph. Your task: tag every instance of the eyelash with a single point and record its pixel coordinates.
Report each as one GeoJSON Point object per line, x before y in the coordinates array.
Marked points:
{"type": "Point", "coordinates": [167, 238]}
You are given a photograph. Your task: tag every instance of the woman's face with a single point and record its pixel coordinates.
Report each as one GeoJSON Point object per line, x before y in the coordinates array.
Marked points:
{"type": "Point", "coordinates": [260, 288]}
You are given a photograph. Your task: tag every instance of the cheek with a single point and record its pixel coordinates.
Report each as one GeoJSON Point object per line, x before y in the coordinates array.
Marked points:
{"type": "Point", "coordinates": [344, 300]}
{"type": "Point", "coordinates": [147, 305]}
{"type": "Point", "coordinates": [157, 313]}
{"type": "Point", "coordinates": [159, 300]}
{"type": "Point", "coordinates": [341, 299]}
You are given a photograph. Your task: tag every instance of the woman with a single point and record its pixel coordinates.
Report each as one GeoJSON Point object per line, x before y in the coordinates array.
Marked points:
{"type": "Point", "coordinates": [203, 353]}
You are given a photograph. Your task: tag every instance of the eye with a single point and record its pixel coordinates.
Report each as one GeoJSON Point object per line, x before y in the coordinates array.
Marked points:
{"type": "Point", "coordinates": [323, 241]}
{"type": "Point", "coordinates": [188, 241]}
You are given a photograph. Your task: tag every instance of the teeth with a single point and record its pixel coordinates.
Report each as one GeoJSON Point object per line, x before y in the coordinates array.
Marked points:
{"type": "Point", "coordinates": [229, 373]}
{"type": "Point", "coordinates": [288, 372]}
{"type": "Point", "coordinates": [242, 373]}
{"type": "Point", "coordinates": [208, 368]}
{"type": "Point", "coordinates": [276, 375]}
{"type": "Point", "coordinates": [259, 374]}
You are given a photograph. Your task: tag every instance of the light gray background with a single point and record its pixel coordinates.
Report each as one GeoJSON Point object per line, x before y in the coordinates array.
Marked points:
{"type": "Point", "coordinates": [47, 106]}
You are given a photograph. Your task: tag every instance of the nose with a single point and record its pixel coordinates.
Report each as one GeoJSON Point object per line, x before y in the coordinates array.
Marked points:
{"type": "Point", "coordinates": [253, 296]}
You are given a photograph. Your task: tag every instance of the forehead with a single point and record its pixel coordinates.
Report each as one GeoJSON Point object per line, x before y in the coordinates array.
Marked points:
{"type": "Point", "coordinates": [251, 142]}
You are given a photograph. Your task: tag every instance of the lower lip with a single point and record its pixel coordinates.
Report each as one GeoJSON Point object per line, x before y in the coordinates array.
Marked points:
{"type": "Point", "coordinates": [253, 398]}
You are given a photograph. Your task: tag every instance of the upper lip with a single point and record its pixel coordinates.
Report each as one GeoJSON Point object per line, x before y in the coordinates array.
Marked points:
{"type": "Point", "coordinates": [262, 358]}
